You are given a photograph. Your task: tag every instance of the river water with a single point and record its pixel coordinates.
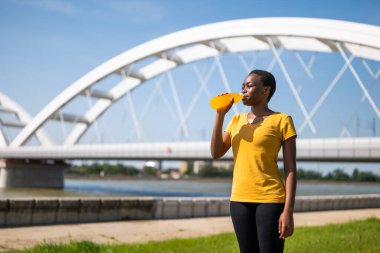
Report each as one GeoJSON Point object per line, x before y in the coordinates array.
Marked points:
{"type": "Point", "coordinates": [176, 188]}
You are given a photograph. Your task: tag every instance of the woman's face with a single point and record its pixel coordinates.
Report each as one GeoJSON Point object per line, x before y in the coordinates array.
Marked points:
{"type": "Point", "coordinates": [253, 90]}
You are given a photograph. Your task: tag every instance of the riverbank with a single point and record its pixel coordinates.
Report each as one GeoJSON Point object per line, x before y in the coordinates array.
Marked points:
{"type": "Point", "coordinates": [155, 230]}
{"type": "Point", "coordinates": [200, 179]}
{"type": "Point", "coordinates": [144, 178]}
{"type": "Point", "coordinates": [205, 187]}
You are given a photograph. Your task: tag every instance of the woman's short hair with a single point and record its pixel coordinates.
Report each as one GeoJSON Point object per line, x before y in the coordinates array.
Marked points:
{"type": "Point", "coordinates": [268, 80]}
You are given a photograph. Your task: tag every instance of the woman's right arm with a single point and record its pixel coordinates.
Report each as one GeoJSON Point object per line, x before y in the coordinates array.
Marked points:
{"type": "Point", "coordinates": [220, 142]}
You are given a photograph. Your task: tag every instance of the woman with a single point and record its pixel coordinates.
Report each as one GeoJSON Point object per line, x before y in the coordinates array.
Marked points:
{"type": "Point", "coordinates": [261, 205]}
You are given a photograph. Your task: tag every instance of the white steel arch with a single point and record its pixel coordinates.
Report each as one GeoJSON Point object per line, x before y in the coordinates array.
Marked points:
{"type": "Point", "coordinates": [7, 105]}
{"type": "Point", "coordinates": [173, 50]}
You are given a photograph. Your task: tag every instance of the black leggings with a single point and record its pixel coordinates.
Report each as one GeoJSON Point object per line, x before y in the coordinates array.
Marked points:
{"type": "Point", "coordinates": [256, 226]}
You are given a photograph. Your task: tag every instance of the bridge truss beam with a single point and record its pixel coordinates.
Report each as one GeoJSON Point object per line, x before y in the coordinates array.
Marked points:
{"type": "Point", "coordinates": [212, 40]}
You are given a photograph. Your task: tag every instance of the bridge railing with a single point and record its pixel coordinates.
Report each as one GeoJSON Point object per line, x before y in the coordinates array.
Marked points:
{"type": "Point", "coordinates": [329, 149]}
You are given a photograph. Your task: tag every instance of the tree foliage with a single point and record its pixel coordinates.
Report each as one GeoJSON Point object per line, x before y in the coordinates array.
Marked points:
{"type": "Point", "coordinates": [211, 171]}
{"type": "Point", "coordinates": [104, 168]}
{"type": "Point", "coordinates": [339, 175]}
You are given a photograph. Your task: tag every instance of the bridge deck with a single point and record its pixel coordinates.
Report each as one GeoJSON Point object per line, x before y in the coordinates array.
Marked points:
{"type": "Point", "coordinates": [330, 149]}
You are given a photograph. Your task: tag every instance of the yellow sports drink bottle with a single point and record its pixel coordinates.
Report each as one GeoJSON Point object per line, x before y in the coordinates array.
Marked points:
{"type": "Point", "coordinates": [223, 100]}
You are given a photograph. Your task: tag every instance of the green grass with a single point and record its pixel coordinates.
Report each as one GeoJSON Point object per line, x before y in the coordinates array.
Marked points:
{"type": "Point", "coordinates": [359, 236]}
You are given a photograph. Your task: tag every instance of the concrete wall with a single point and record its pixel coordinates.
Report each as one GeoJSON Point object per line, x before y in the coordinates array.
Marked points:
{"type": "Point", "coordinates": [43, 211]}
{"type": "Point", "coordinates": [25, 173]}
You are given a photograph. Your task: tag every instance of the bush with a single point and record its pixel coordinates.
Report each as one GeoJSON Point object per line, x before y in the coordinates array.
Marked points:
{"type": "Point", "coordinates": [309, 174]}
{"type": "Point", "coordinates": [149, 171]}
{"type": "Point", "coordinates": [211, 171]}
{"type": "Point", "coordinates": [106, 168]}
{"type": "Point", "coordinates": [337, 175]}
{"type": "Point", "coordinates": [364, 176]}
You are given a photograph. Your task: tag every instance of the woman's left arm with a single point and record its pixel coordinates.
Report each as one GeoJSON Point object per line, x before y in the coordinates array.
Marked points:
{"type": "Point", "coordinates": [286, 222]}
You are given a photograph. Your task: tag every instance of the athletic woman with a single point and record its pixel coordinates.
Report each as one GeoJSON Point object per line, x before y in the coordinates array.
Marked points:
{"type": "Point", "coordinates": [261, 203]}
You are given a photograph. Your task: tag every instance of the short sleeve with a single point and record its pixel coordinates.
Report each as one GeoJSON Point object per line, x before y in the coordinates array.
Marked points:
{"type": "Point", "coordinates": [230, 125]}
{"type": "Point", "coordinates": [287, 128]}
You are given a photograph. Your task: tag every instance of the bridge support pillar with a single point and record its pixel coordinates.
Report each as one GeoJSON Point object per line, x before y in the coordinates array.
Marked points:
{"type": "Point", "coordinates": [32, 173]}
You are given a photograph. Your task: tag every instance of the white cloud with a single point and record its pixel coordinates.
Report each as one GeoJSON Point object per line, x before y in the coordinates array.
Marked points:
{"type": "Point", "coordinates": [59, 6]}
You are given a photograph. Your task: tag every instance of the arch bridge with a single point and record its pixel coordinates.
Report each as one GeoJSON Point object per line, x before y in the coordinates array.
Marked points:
{"type": "Point", "coordinates": [275, 44]}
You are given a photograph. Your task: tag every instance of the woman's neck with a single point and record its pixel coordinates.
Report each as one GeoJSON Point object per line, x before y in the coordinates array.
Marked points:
{"type": "Point", "coordinates": [261, 110]}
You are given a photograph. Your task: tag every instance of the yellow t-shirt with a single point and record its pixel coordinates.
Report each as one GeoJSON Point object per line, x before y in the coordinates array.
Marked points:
{"type": "Point", "coordinates": [256, 176]}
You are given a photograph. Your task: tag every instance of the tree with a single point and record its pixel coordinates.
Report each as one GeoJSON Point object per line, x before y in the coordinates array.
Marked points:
{"type": "Point", "coordinates": [338, 175]}
{"type": "Point", "coordinates": [308, 174]}
{"type": "Point", "coordinates": [211, 171]}
{"type": "Point", "coordinates": [364, 176]}
{"type": "Point", "coordinates": [149, 171]}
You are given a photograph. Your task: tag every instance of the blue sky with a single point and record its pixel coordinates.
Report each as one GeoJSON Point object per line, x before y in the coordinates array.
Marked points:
{"type": "Point", "coordinates": [46, 45]}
